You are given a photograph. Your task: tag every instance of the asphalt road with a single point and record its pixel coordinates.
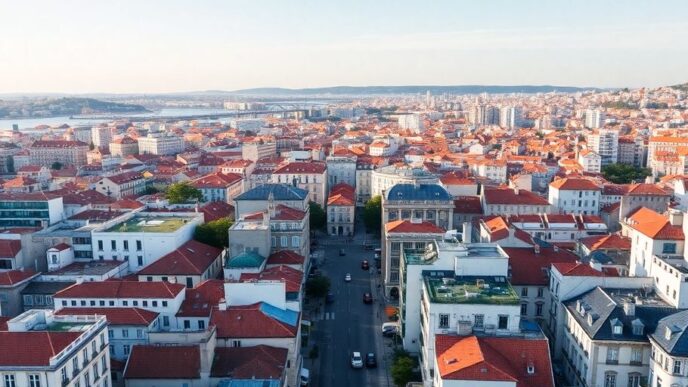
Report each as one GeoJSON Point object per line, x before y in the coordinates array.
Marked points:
{"type": "Point", "coordinates": [348, 324]}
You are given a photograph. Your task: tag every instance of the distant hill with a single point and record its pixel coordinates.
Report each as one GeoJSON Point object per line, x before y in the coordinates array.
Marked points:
{"type": "Point", "coordinates": [376, 90]}
{"type": "Point", "coordinates": [66, 106]}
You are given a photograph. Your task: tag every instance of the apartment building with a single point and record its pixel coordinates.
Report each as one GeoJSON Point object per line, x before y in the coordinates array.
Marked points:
{"type": "Point", "coordinates": [426, 202]}
{"type": "Point", "coordinates": [311, 177]}
{"type": "Point", "coordinates": [124, 146]}
{"type": "Point", "coordinates": [122, 185]}
{"type": "Point", "coordinates": [575, 196]}
{"type": "Point", "coordinates": [160, 144]}
{"type": "Point", "coordinates": [47, 152]}
{"type": "Point", "coordinates": [218, 186]}
{"type": "Point", "coordinates": [341, 206]}
{"type": "Point", "coordinates": [35, 209]}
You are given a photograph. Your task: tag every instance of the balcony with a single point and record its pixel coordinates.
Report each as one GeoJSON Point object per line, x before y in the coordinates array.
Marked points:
{"type": "Point", "coordinates": [612, 362]}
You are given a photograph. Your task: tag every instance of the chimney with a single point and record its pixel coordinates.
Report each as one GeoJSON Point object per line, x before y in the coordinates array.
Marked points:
{"type": "Point", "coordinates": [222, 306]}
{"type": "Point", "coordinates": [79, 280]}
{"type": "Point", "coordinates": [675, 217]}
{"type": "Point", "coordinates": [555, 248]}
{"type": "Point", "coordinates": [629, 308]}
{"type": "Point", "coordinates": [516, 190]}
{"type": "Point", "coordinates": [466, 236]}
{"type": "Point", "coordinates": [536, 248]}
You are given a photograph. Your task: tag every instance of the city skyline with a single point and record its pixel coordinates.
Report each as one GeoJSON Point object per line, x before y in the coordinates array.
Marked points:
{"type": "Point", "coordinates": [156, 47]}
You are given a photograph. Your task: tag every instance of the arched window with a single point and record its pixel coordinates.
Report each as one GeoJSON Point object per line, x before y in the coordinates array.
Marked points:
{"type": "Point", "coordinates": [610, 379]}
{"type": "Point", "coordinates": [634, 379]}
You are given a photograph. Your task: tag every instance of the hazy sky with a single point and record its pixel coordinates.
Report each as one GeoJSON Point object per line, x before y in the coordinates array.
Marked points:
{"type": "Point", "coordinates": [161, 46]}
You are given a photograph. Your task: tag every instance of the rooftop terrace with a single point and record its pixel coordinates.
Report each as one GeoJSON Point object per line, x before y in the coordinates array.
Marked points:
{"type": "Point", "coordinates": [150, 224]}
{"type": "Point", "coordinates": [444, 288]}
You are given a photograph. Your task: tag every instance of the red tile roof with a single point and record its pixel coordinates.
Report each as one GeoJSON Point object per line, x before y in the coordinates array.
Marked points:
{"type": "Point", "coordinates": [200, 301]}
{"type": "Point", "coordinates": [606, 242]}
{"type": "Point", "coordinates": [15, 277]}
{"type": "Point", "coordinates": [494, 359]}
{"type": "Point", "coordinates": [574, 184]}
{"type": "Point", "coordinates": [285, 257]}
{"type": "Point", "coordinates": [217, 210]}
{"type": "Point", "coordinates": [406, 226]}
{"type": "Point", "coordinates": [576, 269]}
{"type": "Point", "coordinates": [643, 189]}
{"type": "Point", "coordinates": [163, 362]}
{"type": "Point", "coordinates": [191, 258]}
{"type": "Point", "coordinates": [26, 349]}
{"type": "Point", "coordinates": [61, 247]}
{"type": "Point", "coordinates": [283, 212]}
{"type": "Point", "coordinates": [115, 316]}
{"type": "Point", "coordinates": [126, 177]}
{"type": "Point", "coordinates": [3, 323]}
{"type": "Point", "coordinates": [57, 144]}
{"type": "Point", "coordinates": [121, 289]}
{"type": "Point", "coordinates": [292, 278]}
{"type": "Point", "coordinates": [654, 225]}
{"type": "Point", "coordinates": [86, 197]}
{"type": "Point", "coordinates": [9, 248]}
{"type": "Point", "coordinates": [467, 205]}
{"type": "Point", "coordinates": [248, 321]}
{"type": "Point", "coordinates": [258, 362]}
{"type": "Point", "coordinates": [217, 180]}
{"type": "Point", "coordinates": [342, 194]}
{"type": "Point", "coordinates": [302, 167]}
{"type": "Point", "coordinates": [527, 265]}
{"type": "Point", "coordinates": [509, 196]}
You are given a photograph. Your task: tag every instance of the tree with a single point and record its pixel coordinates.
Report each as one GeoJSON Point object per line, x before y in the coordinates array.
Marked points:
{"type": "Point", "coordinates": [56, 166]}
{"type": "Point", "coordinates": [372, 214]}
{"type": "Point", "coordinates": [624, 173]}
{"type": "Point", "coordinates": [402, 370]}
{"type": "Point", "coordinates": [214, 233]}
{"type": "Point", "coordinates": [182, 192]}
{"type": "Point", "coordinates": [318, 286]}
{"type": "Point", "coordinates": [318, 217]}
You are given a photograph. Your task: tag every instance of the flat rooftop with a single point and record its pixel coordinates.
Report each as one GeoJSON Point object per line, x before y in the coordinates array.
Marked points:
{"type": "Point", "coordinates": [248, 225]}
{"type": "Point", "coordinates": [456, 249]}
{"type": "Point", "coordinates": [445, 288]}
{"type": "Point", "coordinates": [68, 327]}
{"type": "Point", "coordinates": [87, 268]}
{"type": "Point", "coordinates": [151, 224]}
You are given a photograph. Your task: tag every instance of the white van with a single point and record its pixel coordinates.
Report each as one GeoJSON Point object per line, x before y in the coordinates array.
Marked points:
{"type": "Point", "coordinates": [305, 376]}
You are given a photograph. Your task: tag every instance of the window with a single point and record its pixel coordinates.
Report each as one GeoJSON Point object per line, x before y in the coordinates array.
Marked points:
{"type": "Point", "coordinates": [28, 300]}
{"type": "Point", "coordinates": [164, 304]}
{"type": "Point", "coordinates": [34, 380]}
{"type": "Point", "coordinates": [187, 324]}
{"type": "Point", "coordinates": [524, 292]}
{"type": "Point", "coordinates": [538, 309]}
{"type": "Point", "coordinates": [139, 333]}
{"type": "Point", "coordinates": [677, 367]}
{"type": "Point", "coordinates": [524, 309]}
{"type": "Point", "coordinates": [201, 324]}
{"type": "Point", "coordinates": [284, 241]}
{"type": "Point", "coordinates": [503, 322]}
{"type": "Point", "coordinates": [479, 321]}
{"type": "Point", "coordinates": [125, 333]}
{"type": "Point", "coordinates": [541, 292]}
{"type": "Point", "coordinates": [139, 260]}
{"type": "Point", "coordinates": [126, 348]}
{"type": "Point", "coordinates": [610, 379]}
{"type": "Point", "coordinates": [87, 379]}
{"type": "Point", "coordinates": [75, 365]}
{"type": "Point", "coordinates": [444, 321]}
{"type": "Point", "coordinates": [236, 343]}
{"type": "Point", "coordinates": [165, 321]}
{"type": "Point", "coordinates": [636, 355]}
{"type": "Point", "coordinates": [144, 303]}
{"type": "Point", "coordinates": [669, 248]}
{"type": "Point", "coordinates": [93, 347]}
{"type": "Point", "coordinates": [100, 245]}
{"type": "Point", "coordinates": [612, 355]}
{"type": "Point", "coordinates": [113, 245]}
{"type": "Point", "coordinates": [295, 241]}
{"type": "Point", "coordinates": [138, 246]}
{"type": "Point", "coordinates": [155, 304]}
{"type": "Point", "coordinates": [63, 373]}
{"type": "Point", "coordinates": [103, 363]}
{"type": "Point", "coordinates": [634, 380]}
{"type": "Point", "coordinates": [9, 380]}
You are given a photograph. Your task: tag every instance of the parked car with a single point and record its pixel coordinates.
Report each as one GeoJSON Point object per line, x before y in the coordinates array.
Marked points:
{"type": "Point", "coordinates": [356, 360]}
{"type": "Point", "coordinates": [371, 360]}
{"type": "Point", "coordinates": [389, 329]}
{"type": "Point", "coordinates": [367, 298]}
{"type": "Point", "coordinates": [365, 265]}
{"type": "Point", "coordinates": [347, 277]}
{"type": "Point", "coordinates": [305, 376]}
{"type": "Point", "coordinates": [329, 298]}
{"type": "Point", "coordinates": [342, 252]}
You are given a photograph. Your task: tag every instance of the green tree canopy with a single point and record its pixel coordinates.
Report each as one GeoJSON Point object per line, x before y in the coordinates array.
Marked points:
{"type": "Point", "coordinates": [402, 370]}
{"type": "Point", "coordinates": [318, 286]}
{"type": "Point", "coordinates": [624, 173]}
{"type": "Point", "coordinates": [372, 214]}
{"type": "Point", "coordinates": [318, 218]}
{"type": "Point", "coordinates": [214, 233]}
{"type": "Point", "coordinates": [182, 192]}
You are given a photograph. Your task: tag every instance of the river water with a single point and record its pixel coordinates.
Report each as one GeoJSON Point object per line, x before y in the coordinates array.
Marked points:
{"type": "Point", "coordinates": [30, 123]}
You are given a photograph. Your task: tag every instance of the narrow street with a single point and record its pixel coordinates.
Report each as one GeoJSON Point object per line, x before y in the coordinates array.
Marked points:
{"type": "Point", "coordinates": [348, 324]}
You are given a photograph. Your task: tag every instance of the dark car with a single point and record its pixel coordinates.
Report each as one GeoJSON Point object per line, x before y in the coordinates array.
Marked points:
{"type": "Point", "coordinates": [342, 252]}
{"type": "Point", "coordinates": [367, 298]}
{"type": "Point", "coordinates": [371, 360]}
{"type": "Point", "coordinates": [365, 265]}
{"type": "Point", "coordinates": [329, 298]}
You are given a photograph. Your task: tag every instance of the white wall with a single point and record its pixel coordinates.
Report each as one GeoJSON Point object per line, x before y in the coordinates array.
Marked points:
{"type": "Point", "coordinates": [247, 293]}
